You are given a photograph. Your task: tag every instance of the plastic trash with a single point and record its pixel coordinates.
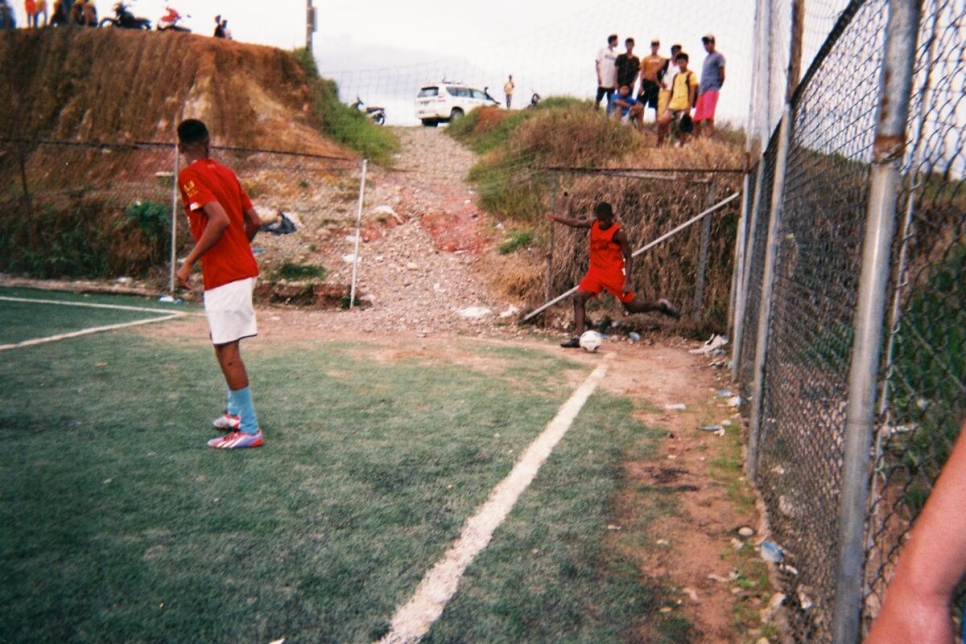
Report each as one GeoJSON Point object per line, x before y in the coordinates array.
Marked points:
{"type": "Point", "coordinates": [167, 299]}
{"type": "Point", "coordinates": [676, 407]}
{"type": "Point", "coordinates": [771, 551]}
{"type": "Point", "coordinates": [713, 428]}
{"type": "Point", "coordinates": [634, 336]}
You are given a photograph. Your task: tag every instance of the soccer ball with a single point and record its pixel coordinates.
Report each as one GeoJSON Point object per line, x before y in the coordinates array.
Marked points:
{"type": "Point", "coordinates": [590, 341]}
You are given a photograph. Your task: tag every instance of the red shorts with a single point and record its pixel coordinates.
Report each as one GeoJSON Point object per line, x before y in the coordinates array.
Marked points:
{"type": "Point", "coordinates": [707, 102]}
{"type": "Point", "coordinates": [596, 281]}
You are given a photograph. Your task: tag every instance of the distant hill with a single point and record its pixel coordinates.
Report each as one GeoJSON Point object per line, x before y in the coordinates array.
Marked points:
{"type": "Point", "coordinates": [117, 86]}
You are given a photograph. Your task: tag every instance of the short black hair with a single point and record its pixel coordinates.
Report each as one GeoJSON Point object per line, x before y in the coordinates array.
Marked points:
{"type": "Point", "coordinates": [603, 208]}
{"type": "Point", "coordinates": [683, 56]}
{"type": "Point", "coordinates": [612, 38]}
{"type": "Point", "coordinates": [192, 131]}
{"type": "Point", "coordinates": [629, 41]}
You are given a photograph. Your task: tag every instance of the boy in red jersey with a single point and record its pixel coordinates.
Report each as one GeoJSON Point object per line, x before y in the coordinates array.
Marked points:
{"type": "Point", "coordinates": [610, 269]}
{"type": "Point", "coordinates": [223, 224]}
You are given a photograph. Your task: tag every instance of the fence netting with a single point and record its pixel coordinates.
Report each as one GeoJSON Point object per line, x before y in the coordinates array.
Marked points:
{"type": "Point", "coordinates": [821, 225]}
{"type": "Point", "coordinates": [104, 210]}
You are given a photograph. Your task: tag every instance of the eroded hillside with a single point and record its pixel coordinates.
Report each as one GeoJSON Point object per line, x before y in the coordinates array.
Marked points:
{"type": "Point", "coordinates": [116, 85]}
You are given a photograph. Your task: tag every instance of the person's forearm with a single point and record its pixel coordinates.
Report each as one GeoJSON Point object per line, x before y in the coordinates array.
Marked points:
{"type": "Point", "coordinates": [209, 238]}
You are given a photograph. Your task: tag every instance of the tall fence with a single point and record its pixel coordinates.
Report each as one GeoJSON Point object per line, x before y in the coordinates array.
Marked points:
{"type": "Point", "coordinates": [850, 316]}
{"type": "Point", "coordinates": [103, 210]}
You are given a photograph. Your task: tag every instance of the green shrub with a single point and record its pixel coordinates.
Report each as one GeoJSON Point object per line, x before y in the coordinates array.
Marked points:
{"type": "Point", "coordinates": [291, 271]}
{"type": "Point", "coordinates": [516, 241]}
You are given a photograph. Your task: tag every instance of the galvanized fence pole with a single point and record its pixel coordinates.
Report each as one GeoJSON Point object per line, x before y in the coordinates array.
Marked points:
{"type": "Point", "coordinates": [703, 256]}
{"type": "Point", "coordinates": [553, 208]}
{"type": "Point", "coordinates": [355, 252]}
{"type": "Point", "coordinates": [174, 220]}
{"type": "Point", "coordinates": [895, 90]}
{"type": "Point", "coordinates": [744, 274]}
{"type": "Point", "coordinates": [767, 292]}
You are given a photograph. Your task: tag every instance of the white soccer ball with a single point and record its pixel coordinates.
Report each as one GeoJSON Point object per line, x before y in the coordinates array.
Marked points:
{"type": "Point", "coordinates": [590, 341]}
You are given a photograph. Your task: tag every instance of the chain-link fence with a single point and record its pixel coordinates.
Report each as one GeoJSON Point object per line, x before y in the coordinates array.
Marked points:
{"type": "Point", "coordinates": [108, 210]}
{"type": "Point", "coordinates": [852, 336]}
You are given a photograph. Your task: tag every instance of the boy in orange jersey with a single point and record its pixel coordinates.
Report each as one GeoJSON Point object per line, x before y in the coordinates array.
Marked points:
{"type": "Point", "coordinates": [610, 269]}
{"type": "Point", "coordinates": [223, 224]}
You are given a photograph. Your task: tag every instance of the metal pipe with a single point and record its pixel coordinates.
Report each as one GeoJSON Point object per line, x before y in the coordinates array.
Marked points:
{"type": "Point", "coordinates": [742, 299]}
{"type": "Point", "coordinates": [174, 220]}
{"type": "Point", "coordinates": [767, 292]}
{"type": "Point", "coordinates": [355, 252]}
{"type": "Point", "coordinates": [895, 90]}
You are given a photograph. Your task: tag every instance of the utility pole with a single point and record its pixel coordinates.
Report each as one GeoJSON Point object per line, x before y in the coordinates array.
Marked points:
{"type": "Point", "coordinates": [309, 25]}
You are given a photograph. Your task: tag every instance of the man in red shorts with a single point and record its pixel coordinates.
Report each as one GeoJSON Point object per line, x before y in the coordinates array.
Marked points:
{"type": "Point", "coordinates": [223, 224]}
{"type": "Point", "coordinates": [610, 269]}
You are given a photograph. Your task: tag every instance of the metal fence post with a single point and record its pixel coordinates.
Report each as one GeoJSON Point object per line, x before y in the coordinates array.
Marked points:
{"type": "Point", "coordinates": [174, 220]}
{"type": "Point", "coordinates": [703, 256]}
{"type": "Point", "coordinates": [743, 269]}
{"type": "Point", "coordinates": [767, 291]}
{"type": "Point", "coordinates": [355, 252]}
{"type": "Point", "coordinates": [553, 208]}
{"type": "Point", "coordinates": [895, 88]}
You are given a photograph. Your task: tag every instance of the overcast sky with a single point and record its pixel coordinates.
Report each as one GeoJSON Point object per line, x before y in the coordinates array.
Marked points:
{"type": "Point", "coordinates": [384, 50]}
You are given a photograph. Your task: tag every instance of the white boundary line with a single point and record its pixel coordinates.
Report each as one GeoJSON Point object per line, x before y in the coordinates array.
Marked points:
{"type": "Point", "coordinates": [92, 305]}
{"type": "Point", "coordinates": [64, 336]}
{"type": "Point", "coordinates": [412, 621]}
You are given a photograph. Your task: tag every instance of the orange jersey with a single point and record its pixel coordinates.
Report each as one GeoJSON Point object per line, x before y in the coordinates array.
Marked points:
{"type": "Point", "coordinates": [605, 253]}
{"type": "Point", "coordinates": [231, 258]}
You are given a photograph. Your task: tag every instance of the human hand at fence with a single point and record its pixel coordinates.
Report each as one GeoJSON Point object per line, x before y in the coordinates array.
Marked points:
{"type": "Point", "coordinates": [911, 616]}
{"type": "Point", "coordinates": [184, 275]}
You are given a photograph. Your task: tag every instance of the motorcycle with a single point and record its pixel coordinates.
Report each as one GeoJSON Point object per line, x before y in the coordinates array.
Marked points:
{"type": "Point", "coordinates": [534, 100]}
{"type": "Point", "coordinates": [377, 114]}
{"type": "Point", "coordinates": [170, 20]}
{"type": "Point", "coordinates": [124, 19]}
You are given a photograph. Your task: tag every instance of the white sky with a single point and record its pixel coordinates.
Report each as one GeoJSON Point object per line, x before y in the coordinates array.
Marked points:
{"type": "Point", "coordinates": [384, 50]}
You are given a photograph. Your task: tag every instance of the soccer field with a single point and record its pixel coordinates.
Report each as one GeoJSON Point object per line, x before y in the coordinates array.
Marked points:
{"type": "Point", "coordinates": [120, 525]}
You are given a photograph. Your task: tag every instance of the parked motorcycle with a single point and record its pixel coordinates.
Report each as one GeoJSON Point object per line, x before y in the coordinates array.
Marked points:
{"type": "Point", "coordinates": [124, 19]}
{"type": "Point", "coordinates": [169, 21]}
{"type": "Point", "coordinates": [534, 100]}
{"type": "Point", "coordinates": [377, 114]}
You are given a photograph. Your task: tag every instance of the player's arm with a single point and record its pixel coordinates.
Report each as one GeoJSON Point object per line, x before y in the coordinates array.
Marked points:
{"type": "Point", "coordinates": [252, 223]}
{"type": "Point", "coordinates": [918, 599]}
{"type": "Point", "coordinates": [721, 75]}
{"type": "Point", "coordinates": [692, 94]}
{"type": "Point", "coordinates": [621, 238]}
{"type": "Point", "coordinates": [573, 223]}
{"type": "Point", "coordinates": [217, 225]}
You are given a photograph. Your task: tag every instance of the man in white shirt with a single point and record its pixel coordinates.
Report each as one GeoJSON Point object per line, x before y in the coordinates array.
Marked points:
{"type": "Point", "coordinates": [606, 70]}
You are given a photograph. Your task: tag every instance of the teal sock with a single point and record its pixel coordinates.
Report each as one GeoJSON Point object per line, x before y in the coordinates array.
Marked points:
{"type": "Point", "coordinates": [246, 409]}
{"type": "Point", "coordinates": [230, 406]}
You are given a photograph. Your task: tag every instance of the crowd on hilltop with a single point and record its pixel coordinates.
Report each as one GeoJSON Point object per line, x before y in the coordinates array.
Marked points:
{"type": "Point", "coordinates": [682, 100]}
{"type": "Point", "coordinates": [83, 13]}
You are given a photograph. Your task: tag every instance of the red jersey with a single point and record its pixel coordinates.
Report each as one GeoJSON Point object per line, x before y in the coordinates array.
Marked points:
{"type": "Point", "coordinates": [231, 258]}
{"type": "Point", "coordinates": [605, 253]}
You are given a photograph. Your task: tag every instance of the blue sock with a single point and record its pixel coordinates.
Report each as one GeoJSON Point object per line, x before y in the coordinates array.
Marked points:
{"type": "Point", "coordinates": [242, 400]}
{"type": "Point", "coordinates": [230, 406]}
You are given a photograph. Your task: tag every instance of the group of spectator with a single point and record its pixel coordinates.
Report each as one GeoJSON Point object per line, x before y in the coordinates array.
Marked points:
{"type": "Point", "coordinates": [666, 85]}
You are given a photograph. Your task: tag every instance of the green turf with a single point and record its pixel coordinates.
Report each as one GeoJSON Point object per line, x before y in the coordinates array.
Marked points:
{"type": "Point", "coordinates": [20, 321]}
{"type": "Point", "coordinates": [118, 524]}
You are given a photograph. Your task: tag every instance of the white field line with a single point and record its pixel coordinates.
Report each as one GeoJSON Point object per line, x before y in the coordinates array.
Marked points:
{"type": "Point", "coordinates": [412, 621]}
{"type": "Point", "coordinates": [91, 305]}
{"type": "Point", "coordinates": [99, 329]}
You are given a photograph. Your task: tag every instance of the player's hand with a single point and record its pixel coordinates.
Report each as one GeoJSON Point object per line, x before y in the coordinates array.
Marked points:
{"type": "Point", "coordinates": [184, 275]}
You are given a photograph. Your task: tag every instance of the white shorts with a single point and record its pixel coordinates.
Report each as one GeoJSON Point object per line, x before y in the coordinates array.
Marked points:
{"type": "Point", "coordinates": [230, 313]}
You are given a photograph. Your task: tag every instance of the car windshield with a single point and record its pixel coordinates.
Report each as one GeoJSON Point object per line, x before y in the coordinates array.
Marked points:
{"type": "Point", "coordinates": [428, 91]}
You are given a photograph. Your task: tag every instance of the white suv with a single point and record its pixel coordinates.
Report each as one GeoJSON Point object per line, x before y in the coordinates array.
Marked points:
{"type": "Point", "coordinates": [449, 100]}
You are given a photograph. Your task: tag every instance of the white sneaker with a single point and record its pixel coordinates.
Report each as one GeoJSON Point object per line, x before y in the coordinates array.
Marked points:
{"type": "Point", "coordinates": [714, 342]}
{"type": "Point", "coordinates": [227, 422]}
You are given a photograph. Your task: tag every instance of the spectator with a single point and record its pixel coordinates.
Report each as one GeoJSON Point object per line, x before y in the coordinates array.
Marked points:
{"type": "Point", "coordinates": [712, 78]}
{"type": "Point", "coordinates": [61, 13]}
{"type": "Point", "coordinates": [30, 7]}
{"type": "Point", "coordinates": [606, 70]}
{"type": "Point", "coordinates": [918, 600]}
{"type": "Point", "coordinates": [508, 88]}
{"type": "Point", "coordinates": [627, 65]}
{"type": "Point", "coordinates": [623, 104]}
{"type": "Point", "coordinates": [41, 9]}
{"type": "Point", "coordinates": [684, 90]}
{"type": "Point", "coordinates": [219, 27]}
{"type": "Point", "coordinates": [653, 69]}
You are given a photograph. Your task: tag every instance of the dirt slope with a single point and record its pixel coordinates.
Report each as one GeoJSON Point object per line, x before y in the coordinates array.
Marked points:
{"type": "Point", "coordinates": [117, 85]}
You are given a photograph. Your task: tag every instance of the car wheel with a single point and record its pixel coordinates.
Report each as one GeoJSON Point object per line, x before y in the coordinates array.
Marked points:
{"type": "Point", "coordinates": [456, 115]}
{"type": "Point", "coordinates": [430, 122]}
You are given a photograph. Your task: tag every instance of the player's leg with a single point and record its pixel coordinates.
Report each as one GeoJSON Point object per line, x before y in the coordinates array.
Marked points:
{"type": "Point", "coordinates": [646, 306]}
{"type": "Point", "coordinates": [580, 314]}
{"type": "Point", "coordinates": [240, 397]}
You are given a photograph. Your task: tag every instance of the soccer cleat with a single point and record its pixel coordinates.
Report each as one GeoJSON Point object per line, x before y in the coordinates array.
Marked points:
{"type": "Point", "coordinates": [227, 422]}
{"type": "Point", "coordinates": [668, 309]}
{"type": "Point", "coordinates": [572, 343]}
{"type": "Point", "coordinates": [238, 440]}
